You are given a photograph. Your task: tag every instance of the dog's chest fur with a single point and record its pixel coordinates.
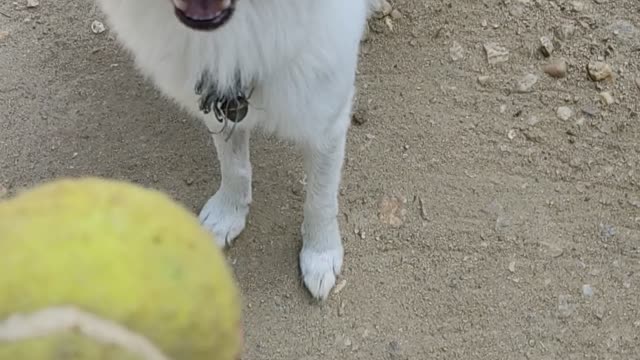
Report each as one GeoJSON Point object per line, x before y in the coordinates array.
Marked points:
{"type": "Point", "coordinates": [301, 54]}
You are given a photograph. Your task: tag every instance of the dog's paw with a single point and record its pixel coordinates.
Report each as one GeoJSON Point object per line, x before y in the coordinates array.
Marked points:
{"type": "Point", "coordinates": [319, 270]}
{"type": "Point", "coordinates": [225, 217]}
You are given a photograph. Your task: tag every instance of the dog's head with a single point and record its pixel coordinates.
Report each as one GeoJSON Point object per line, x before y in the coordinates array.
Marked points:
{"type": "Point", "coordinates": [204, 14]}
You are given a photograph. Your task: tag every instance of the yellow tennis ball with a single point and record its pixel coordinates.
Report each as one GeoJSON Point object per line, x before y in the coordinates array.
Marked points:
{"type": "Point", "coordinates": [94, 269]}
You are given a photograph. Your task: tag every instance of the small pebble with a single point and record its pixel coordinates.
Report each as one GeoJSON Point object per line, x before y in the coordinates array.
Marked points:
{"type": "Point", "coordinates": [495, 53]}
{"type": "Point", "coordinates": [394, 350]}
{"type": "Point", "coordinates": [33, 3]}
{"type": "Point", "coordinates": [526, 83]}
{"type": "Point", "coordinates": [97, 27]}
{"type": "Point", "coordinates": [456, 52]}
{"type": "Point", "coordinates": [512, 266]}
{"type": "Point", "coordinates": [590, 110]}
{"type": "Point", "coordinates": [556, 68]}
{"type": "Point", "coordinates": [340, 286]}
{"type": "Point", "coordinates": [484, 80]}
{"type": "Point", "coordinates": [564, 32]}
{"type": "Point", "coordinates": [386, 8]}
{"type": "Point", "coordinates": [599, 70]}
{"type": "Point", "coordinates": [546, 46]}
{"type": "Point", "coordinates": [389, 23]}
{"type": "Point", "coordinates": [423, 209]}
{"type": "Point", "coordinates": [578, 6]}
{"type": "Point", "coordinates": [587, 290]}
{"type": "Point", "coordinates": [3, 35]}
{"type": "Point", "coordinates": [607, 98]}
{"type": "Point", "coordinates": [391, 210]}
{"type": "Point", "coordinates": [347, 342]}
{"type": "Point", "coordinates": [607, 231]}
{"type": "Point", "coordinates": [565, 306]}
{"type": "Point", "coordinates": [396, 14]}
{"type": "Point", "coordinates": [564, 113]}
{"type": "Point", "coordinates": [516, 10]}
{"type": "Point", "coordinates": [533, 120]}
{"type": "Point", "coordinates": [358, 118]}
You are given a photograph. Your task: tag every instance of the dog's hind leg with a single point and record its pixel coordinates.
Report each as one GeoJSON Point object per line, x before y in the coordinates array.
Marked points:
{"type": "Point", "coordinates": [225, 213]}
{"type": "Point", "coordinates": [322, 252]}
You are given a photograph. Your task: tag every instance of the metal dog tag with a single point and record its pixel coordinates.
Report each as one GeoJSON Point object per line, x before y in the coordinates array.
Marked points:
{"type": "Point", "coordinates": [234, 109]}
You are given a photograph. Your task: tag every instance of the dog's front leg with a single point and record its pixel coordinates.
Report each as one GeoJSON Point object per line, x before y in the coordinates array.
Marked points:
{"type": "Point", "coordinates": [225, 213]}
{"type": "Point", "coordinates": [322, 252]}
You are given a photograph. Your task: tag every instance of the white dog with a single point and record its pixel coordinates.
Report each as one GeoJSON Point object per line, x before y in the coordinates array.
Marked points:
{"type": "Point", "coordinates": [286, 66]}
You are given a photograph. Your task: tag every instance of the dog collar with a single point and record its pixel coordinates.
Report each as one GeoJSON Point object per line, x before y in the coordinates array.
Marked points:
{"type": "Point", "coordinates": [232, 106]}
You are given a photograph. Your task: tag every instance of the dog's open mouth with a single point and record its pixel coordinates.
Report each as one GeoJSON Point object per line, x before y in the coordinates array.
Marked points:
{"type": "Point", "coordinates": [204, 14]}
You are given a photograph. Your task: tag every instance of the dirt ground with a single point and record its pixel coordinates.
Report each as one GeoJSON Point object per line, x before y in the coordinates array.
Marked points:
{"type": "Point", "coordinates": [489, 210]}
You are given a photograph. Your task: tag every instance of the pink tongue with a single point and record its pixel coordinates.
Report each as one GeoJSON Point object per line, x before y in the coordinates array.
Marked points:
{"type": "Point", "coordinates": [200, 9]}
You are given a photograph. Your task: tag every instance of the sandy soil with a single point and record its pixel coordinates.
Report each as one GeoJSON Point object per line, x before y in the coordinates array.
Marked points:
{"type": "Point", "coordinates": [480, 221]}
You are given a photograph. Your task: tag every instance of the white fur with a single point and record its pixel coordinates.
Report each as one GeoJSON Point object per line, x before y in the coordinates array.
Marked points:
{"type": "Point", "coordinates": [302, 56]}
